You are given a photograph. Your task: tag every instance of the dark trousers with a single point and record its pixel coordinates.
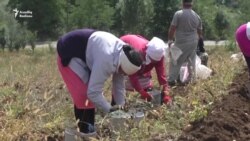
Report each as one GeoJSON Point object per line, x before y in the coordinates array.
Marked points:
{"type": "Point", "coordinates": [86, 119]}
{"type": "Point", "coordinates": [248, 63]}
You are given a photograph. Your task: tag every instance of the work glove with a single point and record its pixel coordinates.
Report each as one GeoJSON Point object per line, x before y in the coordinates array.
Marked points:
{"type": "Point", "coordinates": [146, 96]}
{"type": "Point", "coordinates": [165, 88]}
{"type": "Point", "coordinates": [166, 99]}
{"type": "Point", "coordinates": [115, 108]}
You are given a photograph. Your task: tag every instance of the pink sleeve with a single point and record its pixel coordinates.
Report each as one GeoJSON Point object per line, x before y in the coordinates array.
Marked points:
{"type": "Point", "coordinates": [137, 42]}
{"type": "Point", "coordinates": [161, 72]}
{"type": "Point", "coordinates": [135, 82]}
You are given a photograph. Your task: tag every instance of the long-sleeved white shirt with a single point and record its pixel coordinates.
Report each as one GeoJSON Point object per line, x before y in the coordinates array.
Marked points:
{"type": "Point", "coordinates": [102, 58]}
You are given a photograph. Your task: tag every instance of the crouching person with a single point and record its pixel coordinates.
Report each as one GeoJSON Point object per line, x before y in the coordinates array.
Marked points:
{"type": "Point", "coordinates": [86, 59]}
{"type": "Point", "coordinates": [153, 53]}
{"type": "Point", "coordinates": [242, 36]}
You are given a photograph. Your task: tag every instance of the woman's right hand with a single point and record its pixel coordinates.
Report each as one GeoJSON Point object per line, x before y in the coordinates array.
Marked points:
{"type": "Point", "coordinates": [146, 96]}
{"type": "Point", "coordinates": [115, 108]}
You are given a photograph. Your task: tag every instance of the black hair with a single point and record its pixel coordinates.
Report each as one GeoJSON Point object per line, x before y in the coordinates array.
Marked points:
{"type": "Point", "coordinates": [133, 56]}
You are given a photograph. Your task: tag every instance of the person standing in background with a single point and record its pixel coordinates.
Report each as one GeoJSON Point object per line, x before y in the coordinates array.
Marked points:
{"type": "Point", "coordinates": [186, 29]}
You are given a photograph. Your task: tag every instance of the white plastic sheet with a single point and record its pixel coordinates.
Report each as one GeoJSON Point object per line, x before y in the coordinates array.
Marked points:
{"type": "Point", "coordinates": [174, 53]}
{"type": "Point", "coordinates": [184, 73]}
{"type": "Point", "coordinates": [202, 71]}
{"type": "Point", "coordinates": [236, 57]}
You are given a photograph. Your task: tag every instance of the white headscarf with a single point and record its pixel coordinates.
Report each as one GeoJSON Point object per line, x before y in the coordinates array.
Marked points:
{"type": "Point", "coordinates": [248, 30]}
{"type": "Point", "coordinates": [128, 67]}
{"type": "Point", "coordinates": [155, 49]}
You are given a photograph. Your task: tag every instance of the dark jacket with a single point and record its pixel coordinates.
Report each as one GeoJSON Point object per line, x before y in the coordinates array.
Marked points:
{"type": "Point", "coordinates": [73, 44]}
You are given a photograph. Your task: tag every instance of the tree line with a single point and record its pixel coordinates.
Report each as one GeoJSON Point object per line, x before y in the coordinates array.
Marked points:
{"type": "Point", "coordinates": [52, 18]}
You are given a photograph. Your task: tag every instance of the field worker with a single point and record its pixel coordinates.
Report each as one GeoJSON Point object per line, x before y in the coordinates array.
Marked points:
{"type": "Point", "coordinates": [242, 36]}
{"type": "Point", "coordinates": [153, 52]}
{"type": "Point", "coordinates": [186, 26]}
{"type": "Point", "coordinates": [86, 59]}
{"type": "Point", "coordinates": [201, 52]}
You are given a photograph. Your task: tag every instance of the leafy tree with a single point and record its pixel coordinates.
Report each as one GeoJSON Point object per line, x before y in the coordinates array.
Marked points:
{"type": "Point", "coordinates": [228, 3]}
{"type": "Point", "coordinates": [146, 14]}
{"type": "Point", "coordinates": [92, 14]}
{"type": "Point", "coordinates": [147, 17]}
{"type": "Point", "coordinates": [244, 11]}
{"type": "Point", "coordinates": [136, 16]}
{"type": "Point", "coordinates": [14, 34]}
{"type": "Point", "coordinates": [221, 24]}
{"type": "Point", "coordinates": [206, 13]}
{"type": "Point", "coordinates": [116, 27]}
{"type": "Point", "coordinates": [2, 38]}
{"type": "Point", "coordinates": [46, 16]}
{"type": "Point", "coordinates": [164, 11]}
{"type": "Point", "coordinates": [129, 15]}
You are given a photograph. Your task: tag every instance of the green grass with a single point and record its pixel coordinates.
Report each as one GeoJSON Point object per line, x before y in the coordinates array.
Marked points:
{"type": "Point", "coordinates": [35, 103]}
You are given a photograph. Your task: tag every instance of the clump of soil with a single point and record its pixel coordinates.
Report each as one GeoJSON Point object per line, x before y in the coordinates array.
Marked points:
{"type": "Point", "coordinates": [229, 120]}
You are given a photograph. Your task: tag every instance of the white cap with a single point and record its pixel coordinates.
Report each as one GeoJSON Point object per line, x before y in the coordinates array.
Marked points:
{"type": "Point", "coordinates": [128, 67]}
{"type": "Point", "coordinates": [156, 48]}
{"type": "Point", "coordinates": [248, 30]}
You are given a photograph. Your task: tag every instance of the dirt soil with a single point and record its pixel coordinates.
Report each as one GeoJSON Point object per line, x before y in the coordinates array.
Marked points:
{"type": "Point", "coordinates": [229, 119]}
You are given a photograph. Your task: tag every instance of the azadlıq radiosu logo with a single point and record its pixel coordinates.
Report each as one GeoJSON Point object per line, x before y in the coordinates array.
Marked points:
{"type": "Point", "coordinates": [22, 14]}
{"type": "Point", "coordinates": [16, 12]}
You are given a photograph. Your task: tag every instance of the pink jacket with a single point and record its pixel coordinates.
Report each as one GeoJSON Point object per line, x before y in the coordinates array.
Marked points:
{"type": "Point", "coordinates": [243, 42]}
{"type": "Point", "coordinates": [139, 43]}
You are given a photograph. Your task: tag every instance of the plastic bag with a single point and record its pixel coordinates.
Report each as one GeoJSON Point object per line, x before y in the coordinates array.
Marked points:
{"type": "Point", "coordinates": [203, 72]}
{"type": "Point", "coordinates": [237, 57]}
{"type": "Point", "coordinates": [197, 61]}
{"type": "Point", "coordinates": [174, 53]}
{"type": "Point", "coordinates": [184, 73]}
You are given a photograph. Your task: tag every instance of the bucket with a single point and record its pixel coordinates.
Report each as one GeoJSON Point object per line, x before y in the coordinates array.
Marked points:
{"type": "Point", "coordinates": [69, 135]}
{"type": "Point", "coordinates": [138, 116]}
{"type": "Point", "coordinates": [118, 119]}
{"type": "Point", "coordinates": [157, 97]}
{"type": "Point", "coordinates": [74, 135]}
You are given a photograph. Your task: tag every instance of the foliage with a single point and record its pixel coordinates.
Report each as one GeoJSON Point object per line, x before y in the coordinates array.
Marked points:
{"type": "Point", "coordinates": [91, 14]}
{"type": "Point", "coordinates": [228, 3]}
{"type": "Point", "coordinates": [147, 17]}
{"type": "Point", "coordinates": [16, 35]}
{"type": "Point", "coordinates": [164, 11]}
{"type": "Point", "coordinates": [2, 38]}
{"type": "Point", "coordinates": [221, 24]}
{"type": "Point", "coordinates": [244, 11]}
{"type": "Point", "coordinates": [47, 13]}
{"type": "Point", "coordinates": [135, 16]}
{"type": "Point", "coordinates": [206, 14]}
